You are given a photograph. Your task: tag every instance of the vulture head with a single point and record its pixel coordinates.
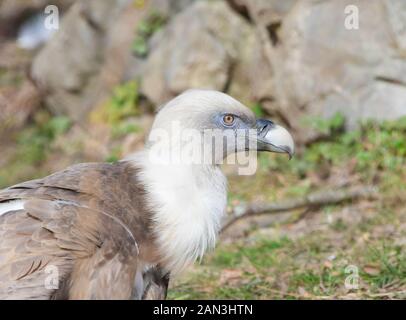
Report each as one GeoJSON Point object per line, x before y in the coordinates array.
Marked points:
{"type": "Point", "coordinates": [206, 126]}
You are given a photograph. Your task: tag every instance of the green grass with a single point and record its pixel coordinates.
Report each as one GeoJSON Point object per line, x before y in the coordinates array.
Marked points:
{"type": "Point", "coordinates": [390, 262]}
{"type": "Point", "coordinates": [291, 269]}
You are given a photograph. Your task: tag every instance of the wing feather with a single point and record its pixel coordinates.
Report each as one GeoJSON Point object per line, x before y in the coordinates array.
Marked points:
{"type": "Point", "coordinates": [71, 238]}
{"type": "Point", "coordinates": [72, 223]}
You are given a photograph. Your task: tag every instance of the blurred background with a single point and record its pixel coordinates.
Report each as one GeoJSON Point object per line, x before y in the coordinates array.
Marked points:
{"type": "Point", "coordinates": [85, 86]}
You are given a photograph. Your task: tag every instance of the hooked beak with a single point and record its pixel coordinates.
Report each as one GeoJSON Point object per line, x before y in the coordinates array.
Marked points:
{"type": "Point", "coordinates": [274, 138]}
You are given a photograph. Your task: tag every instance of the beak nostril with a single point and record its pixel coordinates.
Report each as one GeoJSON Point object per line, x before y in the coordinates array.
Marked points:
{"type": "Point", "coordinates": [261, 129]}
{"type": "Point", "coordinates": [263, 126]}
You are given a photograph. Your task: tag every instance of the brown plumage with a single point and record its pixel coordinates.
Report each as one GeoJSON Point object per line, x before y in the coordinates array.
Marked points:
{"type": "Point", "coordinates": [67, 222]}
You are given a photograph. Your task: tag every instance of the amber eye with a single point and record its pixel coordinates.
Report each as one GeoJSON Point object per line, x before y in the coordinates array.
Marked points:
{"type": "Point", "coordinates": [228, 119]}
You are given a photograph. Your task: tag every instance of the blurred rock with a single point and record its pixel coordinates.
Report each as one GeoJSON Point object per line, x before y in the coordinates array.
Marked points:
{"type": "Point", "coordinates": [170, 7]}
{"type": "Point", "coordinates": [75, 67]}
{"type": "Point", "coordinates": [19, 97]}
{"type": "Point", "coordinates": [203, 52]}
{"type": "Point", "coordinates": [91, 52]}
{"type": "Point", "coordinates": [320, 67]}
{"type": "Point", "coordinates": [266, 12]}
{"type": "Point", "coordinates": [17, 104]}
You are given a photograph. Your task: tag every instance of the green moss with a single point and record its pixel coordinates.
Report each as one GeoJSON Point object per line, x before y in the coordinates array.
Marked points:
{"type": "Point", "coordinates": [146, 28]}
{"type": "Point", "coordinates": [258, 110]}
{"type": "Point", "coordinates": [119, 109]}
{"type": "Point", "coordinates": [122, 129]}
{"type": "Point", "coordinates": [123, 103]}
{"type": "Point", "coordinates": [325, 126]}
{"type": "Point", "coordinates": [115, 155]}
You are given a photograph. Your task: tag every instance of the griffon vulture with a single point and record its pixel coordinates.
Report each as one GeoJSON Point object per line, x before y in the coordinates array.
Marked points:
{"type": "Point", "coordinates": [118, 231]}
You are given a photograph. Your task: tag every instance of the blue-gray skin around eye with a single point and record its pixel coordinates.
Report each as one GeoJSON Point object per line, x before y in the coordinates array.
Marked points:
{"type": "Point", "coordinates": [241, 122]}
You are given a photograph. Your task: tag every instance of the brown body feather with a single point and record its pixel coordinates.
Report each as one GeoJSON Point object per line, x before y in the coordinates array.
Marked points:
{"type": "Point", "coordinates": [89, 222]}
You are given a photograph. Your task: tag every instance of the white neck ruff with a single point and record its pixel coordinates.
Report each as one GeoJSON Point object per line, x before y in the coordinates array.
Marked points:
{"type": "Point", "coordinates": [188, 202]}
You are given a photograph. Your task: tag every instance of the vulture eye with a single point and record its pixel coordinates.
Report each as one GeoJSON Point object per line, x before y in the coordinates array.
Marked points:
{"type": "Point", "coordinates": [228, 119]}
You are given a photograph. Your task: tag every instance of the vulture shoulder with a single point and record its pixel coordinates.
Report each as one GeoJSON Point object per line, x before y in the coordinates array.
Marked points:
{"type": "Point", "coordinates": [76, 235]}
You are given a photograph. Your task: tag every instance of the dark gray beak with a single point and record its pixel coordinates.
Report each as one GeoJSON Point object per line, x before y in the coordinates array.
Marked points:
{"type": "Point", "coordinates": [274, 138]}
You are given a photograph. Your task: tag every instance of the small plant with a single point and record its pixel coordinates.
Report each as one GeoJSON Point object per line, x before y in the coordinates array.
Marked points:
{"type": "Point", "coordinates": [34, 142]}
{"type": "Point", "coordinates": [122, 105]}
{"type": "Point", "coordinates": [329, 126]}
{"type": "Point", "coordinates": [147, 27]}
{"type": "Point", "coordinates": [114, 155]}
{"type": "Point", "coordinates": [258, 110]}
{"type": "Point", "coordinates": [122, 129]}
